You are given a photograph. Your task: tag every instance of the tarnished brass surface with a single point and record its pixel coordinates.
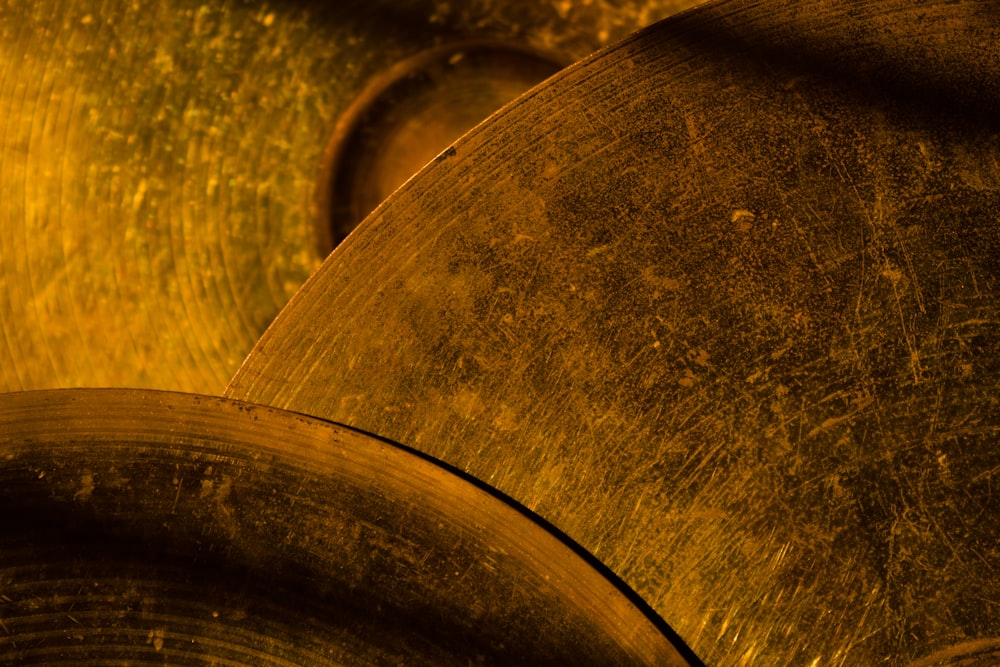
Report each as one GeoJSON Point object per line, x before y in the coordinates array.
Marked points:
{"type": "Point", "coordinates": [160, 163]}
{"type": "Point", "coordinates": [409, 115]}
{"type": "Point", "coordinates": [721, 304]}
{"type": "Point", "coordinates": [147, 526]}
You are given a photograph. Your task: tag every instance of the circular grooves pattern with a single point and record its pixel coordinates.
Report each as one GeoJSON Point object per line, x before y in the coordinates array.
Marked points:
{"type": "Point", "coordinates": [148, 526]}
{"type": "Point", "coordinates": [159, 163]}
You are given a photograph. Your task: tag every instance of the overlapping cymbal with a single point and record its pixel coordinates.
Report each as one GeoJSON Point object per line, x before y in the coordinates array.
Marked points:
{"type": "Point", "coordinates": [721, 304]}
{"type": "Point", "coordinates": [151, 527]}
{"type": "Point", "coordinates": [161, 164]}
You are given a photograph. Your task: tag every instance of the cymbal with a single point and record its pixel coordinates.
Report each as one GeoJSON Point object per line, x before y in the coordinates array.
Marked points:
{"type": "Point", "coordinates": [720, 303]}
{"type": "Point", "coordinates": [141, 526]}
{"type": "Point", "coordinates": [162, 164]}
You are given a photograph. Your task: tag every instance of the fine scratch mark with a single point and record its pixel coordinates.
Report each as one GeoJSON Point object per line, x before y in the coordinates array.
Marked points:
{"type": "Point", "coordinates": [915, 366]}
{"type": "Point", "coordinates": [829, 423]}
{"type": "Point", "coordinates": [177, 495]}
{"type": "Point", "coordinates": [295, 496]}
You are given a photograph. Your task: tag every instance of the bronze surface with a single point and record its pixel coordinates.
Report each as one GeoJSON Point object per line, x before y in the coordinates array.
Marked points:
{"type": "Point", "coordinates": [160, 164]}
{"type": "Point", "coordinates": [721, 304]}
{"type": "Point", "coordinates": [140, 527]}
{"type": "Point", "coordinates": [409, 115]}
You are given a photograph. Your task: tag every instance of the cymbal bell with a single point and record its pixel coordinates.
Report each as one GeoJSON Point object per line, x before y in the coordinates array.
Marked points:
{"type": "Point", "coordinates": [720, 304]}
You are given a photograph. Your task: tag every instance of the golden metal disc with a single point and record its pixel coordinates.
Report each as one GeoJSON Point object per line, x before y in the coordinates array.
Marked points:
{"type": "Point", "coordinates": [721, 304]}
{"type": "Point", "coordinates": [140, 527]}
{"type": "Point", "coordinates": [161, 164]}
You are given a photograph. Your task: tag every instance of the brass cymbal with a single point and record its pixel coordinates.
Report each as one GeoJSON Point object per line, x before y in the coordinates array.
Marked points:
{"type": "Point", "coordinates": [144, 526]}
{"type": "Point", "coordinates": [161, 164]}
{"type": "Point", "coordinates": [720, 303]}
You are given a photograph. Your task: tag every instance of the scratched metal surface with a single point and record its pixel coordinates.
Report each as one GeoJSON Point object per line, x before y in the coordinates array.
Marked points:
{"type": "Point", "coordinates": [160, 160]}
{"type": "Point", "coordinates": [145, 527]}
{"type": "Point", "coordinates": [721, 304]}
